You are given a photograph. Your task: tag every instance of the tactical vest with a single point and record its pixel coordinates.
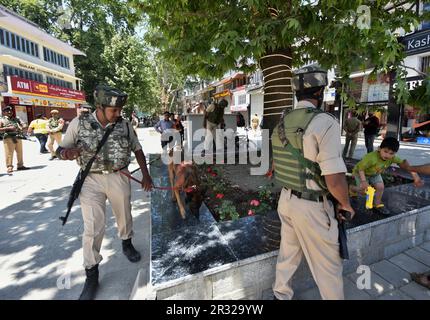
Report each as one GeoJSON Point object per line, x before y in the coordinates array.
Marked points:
{"type": "Point", "coordinates": [115, 153]}
{"type": "Point", "coordinates": [12, 122]}
{"type": "Point", "coordinates": [291, 168]}
{"type": "Point", "coordinates": [216, 115]}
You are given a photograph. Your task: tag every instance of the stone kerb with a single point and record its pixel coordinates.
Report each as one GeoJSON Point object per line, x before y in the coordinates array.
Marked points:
{"type": "Point", "coordinates": [253, 277]}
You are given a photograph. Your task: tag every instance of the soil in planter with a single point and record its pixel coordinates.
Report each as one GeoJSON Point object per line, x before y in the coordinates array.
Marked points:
{"type": "Point", "coordinates": [234, 183]}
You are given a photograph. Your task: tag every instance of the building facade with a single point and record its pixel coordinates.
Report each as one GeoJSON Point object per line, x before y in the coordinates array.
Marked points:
{"type": "Point", "coordinates": [37, 70]}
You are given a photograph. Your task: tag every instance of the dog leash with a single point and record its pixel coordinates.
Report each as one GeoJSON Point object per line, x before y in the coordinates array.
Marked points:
{"type": "Point", "coordinates": [153, 160]}
{"type": "Point", "coordinates": [189, 189]}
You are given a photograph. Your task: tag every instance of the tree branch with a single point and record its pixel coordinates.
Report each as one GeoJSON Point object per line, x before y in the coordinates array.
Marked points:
{"type": "Point", "coordinates": [417, 71]}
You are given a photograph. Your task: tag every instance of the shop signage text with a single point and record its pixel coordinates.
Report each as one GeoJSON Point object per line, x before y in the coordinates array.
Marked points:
{"type": "Point", "coordinates": [417, 42]}
{"type": "Point", "coordinates": [52, 74]}
{"type": "Point", "coordinates": [29, 87]}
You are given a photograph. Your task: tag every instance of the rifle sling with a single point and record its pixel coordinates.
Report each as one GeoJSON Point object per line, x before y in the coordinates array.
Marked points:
{"type": "Point", "coordinates": [83, 174]}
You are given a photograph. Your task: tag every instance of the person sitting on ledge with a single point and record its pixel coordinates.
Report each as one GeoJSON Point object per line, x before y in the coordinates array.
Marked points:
{"type": "Point", "coordinates": [369, 169]}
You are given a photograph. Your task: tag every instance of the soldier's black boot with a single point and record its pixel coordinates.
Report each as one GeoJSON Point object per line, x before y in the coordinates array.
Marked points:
{"type": "Point", "coordinates": [91, 283]}
{"type": "Point", "coordinates": [130, 252]}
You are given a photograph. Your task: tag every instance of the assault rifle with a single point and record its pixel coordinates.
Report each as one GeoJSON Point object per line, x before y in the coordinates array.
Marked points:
{"type": "Point", "coordinates": [80, 178]}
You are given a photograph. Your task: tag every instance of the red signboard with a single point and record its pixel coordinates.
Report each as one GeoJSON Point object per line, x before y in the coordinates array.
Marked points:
{"type": "Point", "coordinates": [29, 87]}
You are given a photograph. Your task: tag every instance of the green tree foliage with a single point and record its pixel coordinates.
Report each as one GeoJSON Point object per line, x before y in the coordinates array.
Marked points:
{"type": "Point", "coordinates": [129, 69]}
{"type": "Point", "coordinates": [214, 36]}
{"type": "Point", "coordinates": [104, 31]}
{"type": "Point", "coordinates": [211, 37]}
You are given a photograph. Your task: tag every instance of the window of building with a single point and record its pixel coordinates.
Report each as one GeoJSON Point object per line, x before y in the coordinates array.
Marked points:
{"type": "Point", "coordinates": [7, 39]}
{"type": "Point", "coordinates": [13, 41]}
{"type": "Point", "coordinates": [425, 64]}
{"type": "Point", "coordinates": [426, 24]}
{"type": "Point", "coordinates": [55, 58]}
{"type": "Point", "coordinates": [59, 82]}
{"type": "Point", "coordinates": [16, 42]}
{"type": "Point", "coordinates": [13, 71]}
{"type": "Point", "coordinates": [241, 99]}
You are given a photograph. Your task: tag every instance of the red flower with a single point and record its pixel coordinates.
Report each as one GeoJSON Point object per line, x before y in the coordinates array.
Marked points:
{"type": "Point", "coordinates": [254, 203]}
{"type": "Point", "coordinates": [250, 212]}
{"type": "Point", "coordinates": [209, 169]}
{"type": "Point", "coordinates": [213, 174]}
{"type": "Point", "coordinates": [219, 196]}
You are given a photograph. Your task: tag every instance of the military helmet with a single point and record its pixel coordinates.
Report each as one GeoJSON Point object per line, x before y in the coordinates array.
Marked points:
{"type": "Point", "coordinates": [109, 96]}
{"type": "Point", "coordinates": [309, 77]}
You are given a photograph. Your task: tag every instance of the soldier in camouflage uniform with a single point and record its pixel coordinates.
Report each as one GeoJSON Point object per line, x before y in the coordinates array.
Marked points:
{"type": "Point", "coordinates": [104, 181]}
{"type": "Point", "coordinates": [55, 126]}
{"type": "Point", "coordinates": [11, 131]}
{"type": "Point", "coordinates": [308, 164]}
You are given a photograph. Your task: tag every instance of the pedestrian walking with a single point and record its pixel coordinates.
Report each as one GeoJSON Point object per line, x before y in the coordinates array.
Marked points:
{"type": "Point", "coordinates": [179, 126]}
{"type": "Point", "coordinates": [352, 127]}
{"type": "Point", "coordinates": [105, 131]}
{"type": "Point", "coordinates": [308, 164]}
{"type": "Point", "coordinates": [165, 127]}
{"type": "Point", "coordinates": [213, 120]}
{"type": "Point", "coordinates": [39, 127]}
{"type": "Point", "coordinates": [371, 129]}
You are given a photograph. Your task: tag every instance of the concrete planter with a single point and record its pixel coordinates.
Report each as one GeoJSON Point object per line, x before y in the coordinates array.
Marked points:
{"type": "Point", "coordinates": [252, 278]}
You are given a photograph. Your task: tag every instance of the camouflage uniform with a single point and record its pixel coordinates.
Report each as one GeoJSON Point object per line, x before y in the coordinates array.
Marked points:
{"type": "Point", "coordinates": [12, 143]}
{"type": "Point", "coordinates": [104, 181]}
{"type": "Point", "coordinates": [214, 118]}
{"type": "Point", "coordinates": [55, 126]}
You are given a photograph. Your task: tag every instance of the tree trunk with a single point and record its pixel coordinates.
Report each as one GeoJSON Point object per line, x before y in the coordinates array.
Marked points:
{"type": "Point", "coordinates": [278, 94]}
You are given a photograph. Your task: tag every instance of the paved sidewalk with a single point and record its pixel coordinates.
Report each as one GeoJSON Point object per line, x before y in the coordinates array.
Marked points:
{"type": "Point", "coordinates": [390, 279]}
{"type": "Point", "coordinates": [38, 257]}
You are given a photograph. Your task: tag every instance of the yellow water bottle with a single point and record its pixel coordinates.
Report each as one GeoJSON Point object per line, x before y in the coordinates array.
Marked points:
{"type": "Point", "coordinates": [370, 192]}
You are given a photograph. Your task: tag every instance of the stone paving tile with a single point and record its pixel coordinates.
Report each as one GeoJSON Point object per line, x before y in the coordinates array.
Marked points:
{"type": "Point", "coordinates": [408, 264]}
{"type": "Point", "coordinates": [310, 294]}
{"type": "Point", "coordinates": [420, 255]}
{"type": "Point", "coordinates": [378, 286]}
{"type": "Point", "coordinates": [425, 246]}
{"type": "Point", "coordinates": [416, 291]}
{"type": "Point", "coordinates": [395, 295]}
{"type": "Point", "coordinates": [352, 292]}
{"type": "Point", "coordinates": [391, 273]}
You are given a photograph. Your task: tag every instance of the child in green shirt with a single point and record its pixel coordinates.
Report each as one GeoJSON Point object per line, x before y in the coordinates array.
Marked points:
{"type": "Point", "coordinates": [368, 171]}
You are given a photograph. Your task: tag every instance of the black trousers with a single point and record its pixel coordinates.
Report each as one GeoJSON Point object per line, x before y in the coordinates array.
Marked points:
{"type": "Point", "coordinates": [42, 140]}
{"type": "Point", "coordinates": [164, 143]}
{"type": "Point", "coordinates": [368, 140]}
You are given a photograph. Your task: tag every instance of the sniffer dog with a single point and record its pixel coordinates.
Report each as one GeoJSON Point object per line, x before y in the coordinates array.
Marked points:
{"type": "Point", "coordinates": [184, 177]}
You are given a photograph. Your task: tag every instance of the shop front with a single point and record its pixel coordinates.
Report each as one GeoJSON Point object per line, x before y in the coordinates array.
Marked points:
{"type": "Point", "coordinates": [415, 123]}
{"type": "Point", "coordinates": [30, 98]}
{"type": "Point", "coordinates": [371, 94]}
{"type": "Point", "coordinates": [240, 104]}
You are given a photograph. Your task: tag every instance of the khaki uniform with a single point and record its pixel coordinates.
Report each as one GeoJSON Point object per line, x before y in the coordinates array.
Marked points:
{"type": "Point", "coordinates": [12, 145]}
{"type": "Point", "coordinates": [309, 228]}
{"type": "Point", "coordinates": [99, 187]}
{"type": "Point", "coordinates": [55, 126]}
{"type": "Point", "coordinates": [352, 128]}
{"type": "Point", "coordinates": [213, 122]}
